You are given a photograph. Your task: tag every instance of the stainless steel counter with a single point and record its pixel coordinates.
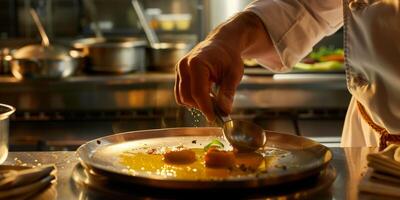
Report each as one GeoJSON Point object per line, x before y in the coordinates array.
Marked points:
{"type": "Point", "coordinates": [62, 114]}
{"type": "Point", "coordinates": [150, 91]}
{"type": "Point", "coordinates": [349, 163]}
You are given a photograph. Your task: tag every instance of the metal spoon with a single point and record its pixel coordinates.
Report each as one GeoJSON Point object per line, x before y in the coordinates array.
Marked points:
{"type": "Point", "coordinates": [242, 135]}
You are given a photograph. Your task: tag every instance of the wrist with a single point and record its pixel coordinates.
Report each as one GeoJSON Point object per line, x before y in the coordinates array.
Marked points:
{"type": "Point", "coordinates": [241, 32]}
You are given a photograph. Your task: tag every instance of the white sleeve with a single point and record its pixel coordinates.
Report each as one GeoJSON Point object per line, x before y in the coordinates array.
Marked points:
{"type": "Point", "coordinates": [295, 26]}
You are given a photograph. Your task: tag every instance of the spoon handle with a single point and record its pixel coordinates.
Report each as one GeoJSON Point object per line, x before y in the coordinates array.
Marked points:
{"type": "Point", "coordinates": [221, 117]}
{"type": "Point", "coordinates": [39, 25]}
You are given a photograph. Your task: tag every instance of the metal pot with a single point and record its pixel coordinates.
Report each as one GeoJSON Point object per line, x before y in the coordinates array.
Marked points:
{"type": "Point", "coordinates": [5, 112]}
{"type": "Point", "coordinates": [114, 55]}
{"type": "Point", "coordinates": [43, 61]}
{"type": "Point", "coordinates": [38, 61]}
{"type": "Point", "coordinates": [163, 57]}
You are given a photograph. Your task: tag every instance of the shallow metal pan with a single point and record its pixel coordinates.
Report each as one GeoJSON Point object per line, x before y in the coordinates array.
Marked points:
{"type": "Point", "coordinates": [94, 186]}
{"type": "Point", "coordinates": [101, 156]}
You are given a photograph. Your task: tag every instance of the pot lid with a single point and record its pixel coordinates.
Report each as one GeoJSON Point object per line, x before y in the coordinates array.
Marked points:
{"type": "Point", "coordinates": [37, 51]}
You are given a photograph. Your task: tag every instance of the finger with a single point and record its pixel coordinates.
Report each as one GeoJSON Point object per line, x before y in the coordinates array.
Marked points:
{"type": "Point", "coordinates": [176, 89]}
{"type": "Point", "coordinates": [184, 88]}
{"type": "Point", "coordinates": [227, 90]}
{"type": "Point", "coordinates": [200, 88]}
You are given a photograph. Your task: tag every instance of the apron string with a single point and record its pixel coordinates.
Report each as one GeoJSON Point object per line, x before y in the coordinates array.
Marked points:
{"type": "Point", "coordinates": [384, 136]}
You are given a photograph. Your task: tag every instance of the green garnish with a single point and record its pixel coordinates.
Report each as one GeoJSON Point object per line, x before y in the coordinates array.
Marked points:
{"type": "Point", "coordinates": [214, 144]}
{"type": "Point", "coordinates": [324, 51]}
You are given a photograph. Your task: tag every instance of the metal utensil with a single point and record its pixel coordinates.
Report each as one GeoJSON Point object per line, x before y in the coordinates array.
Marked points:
{"type": "Point", "coordinates": [149, 32]}
{"type": "Point", "coordinates": [87, 180]}
{"type": "Point", "coordinates": [114, 55]}
{"type": "Point", "coordinates": [242, 135]}
{"type": "Point", "coordinates": [162, 56]}
{"type": "Point", "coordinates": [39, 25]}
{"type": "Point", "coordinates": [45, 60]}
{"type": "Point", "coordinates": [93, 14]}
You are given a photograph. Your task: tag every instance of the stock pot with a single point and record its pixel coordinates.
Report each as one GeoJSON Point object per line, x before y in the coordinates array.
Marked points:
{"type": "Point", "coordinates": [164, 56]}
{"type": "Point", "coordinates": [113, 55]}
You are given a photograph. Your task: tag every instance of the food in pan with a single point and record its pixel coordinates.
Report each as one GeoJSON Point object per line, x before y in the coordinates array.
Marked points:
{"type": "Point", "coordinates": [180, 156]}
{"type": "Point", "coordinates": [213, 161]}
{"type": "Point", "coordinates": [216, 158]}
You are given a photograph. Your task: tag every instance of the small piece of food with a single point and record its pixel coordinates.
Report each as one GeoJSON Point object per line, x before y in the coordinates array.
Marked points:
{"type": "Point", "coordinates": [181, 161]}
{"type": "Point", "coordinates": [185, 156]}
{"type": "Point", "coordinates": [249, 161]}
{"type": "Point", "coordinates": [151, 151]}
{"type": "Point", "coordinates": [216, 144]}
{"type": "Point", "coordinates": [215, 158]}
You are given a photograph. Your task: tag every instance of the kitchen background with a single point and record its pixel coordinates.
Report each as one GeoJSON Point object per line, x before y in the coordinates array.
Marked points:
{"type": "Point", "coordinates": [58, 114]}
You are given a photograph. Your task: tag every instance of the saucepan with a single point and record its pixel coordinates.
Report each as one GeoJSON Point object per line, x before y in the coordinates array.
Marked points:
{"type": "Point", "coordinates": [113, 55]}
{"type": "Point", "coordinates": [44, 60]}
{"type": "Point", "coordinates": [5, 112]}
{"type": "Point", "coordinates": [162, 56]}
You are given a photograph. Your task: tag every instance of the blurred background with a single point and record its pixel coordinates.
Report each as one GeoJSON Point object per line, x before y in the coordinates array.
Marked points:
{"type": "Point", "coordinates": [120, 83]}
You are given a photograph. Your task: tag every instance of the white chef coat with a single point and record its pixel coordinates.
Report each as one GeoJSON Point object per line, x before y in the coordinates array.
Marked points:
{"type": "Point", "coordinates": [372, 48]}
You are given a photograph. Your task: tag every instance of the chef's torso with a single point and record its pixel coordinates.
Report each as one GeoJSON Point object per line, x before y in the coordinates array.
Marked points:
{"type": "Point", "coordinates": [372, 46]}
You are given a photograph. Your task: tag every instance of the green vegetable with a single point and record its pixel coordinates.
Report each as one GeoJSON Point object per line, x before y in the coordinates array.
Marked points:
{"type": "Point", "coordinates": [324, 51]}
{"type": "Point", "coordinates": [214, 144]}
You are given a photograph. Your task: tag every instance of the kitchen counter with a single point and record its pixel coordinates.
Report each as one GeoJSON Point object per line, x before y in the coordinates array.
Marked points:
{"type": "Point", "coordinates": [350, 164]}
{"type": "Point", "coordinates": [63, 114]}
{"type": "Point", "coordinates": [155, 90]}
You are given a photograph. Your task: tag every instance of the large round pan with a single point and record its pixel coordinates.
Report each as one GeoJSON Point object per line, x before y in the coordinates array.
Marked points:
{"type": "Point", "coordinates": [306, 157]}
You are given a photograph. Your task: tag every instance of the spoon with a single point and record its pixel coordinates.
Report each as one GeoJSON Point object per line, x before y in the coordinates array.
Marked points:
{"type": "Point", "coordinates": [242, 135]}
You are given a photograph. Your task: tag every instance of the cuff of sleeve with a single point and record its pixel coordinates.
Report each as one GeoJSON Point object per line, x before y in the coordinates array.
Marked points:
{"type": "Point", "coordinates": [292, 29]}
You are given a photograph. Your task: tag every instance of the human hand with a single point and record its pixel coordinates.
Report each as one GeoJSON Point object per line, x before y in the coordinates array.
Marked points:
{"type": "Point", "coordinates": [210, 62]}
{"type": "Point", "coordinates": [218, 61]}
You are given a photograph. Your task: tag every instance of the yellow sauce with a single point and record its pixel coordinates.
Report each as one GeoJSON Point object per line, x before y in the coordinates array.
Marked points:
{"type": "Point", "coordinates": [153, 164]}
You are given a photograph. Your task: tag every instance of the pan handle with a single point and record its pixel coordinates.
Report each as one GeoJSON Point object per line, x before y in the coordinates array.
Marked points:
{"type": "Point", "coordinates": [149, 32]}
{"type": "Point", "coordinates": [39, 25]}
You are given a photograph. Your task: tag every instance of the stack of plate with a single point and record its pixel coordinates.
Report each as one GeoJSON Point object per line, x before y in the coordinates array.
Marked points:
{"type": "Point", "coordinates": [101, 171]}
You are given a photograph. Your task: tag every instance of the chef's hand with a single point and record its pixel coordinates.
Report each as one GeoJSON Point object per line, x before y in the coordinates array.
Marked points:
{"type": "Point", "coordinates": [218, 60]}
